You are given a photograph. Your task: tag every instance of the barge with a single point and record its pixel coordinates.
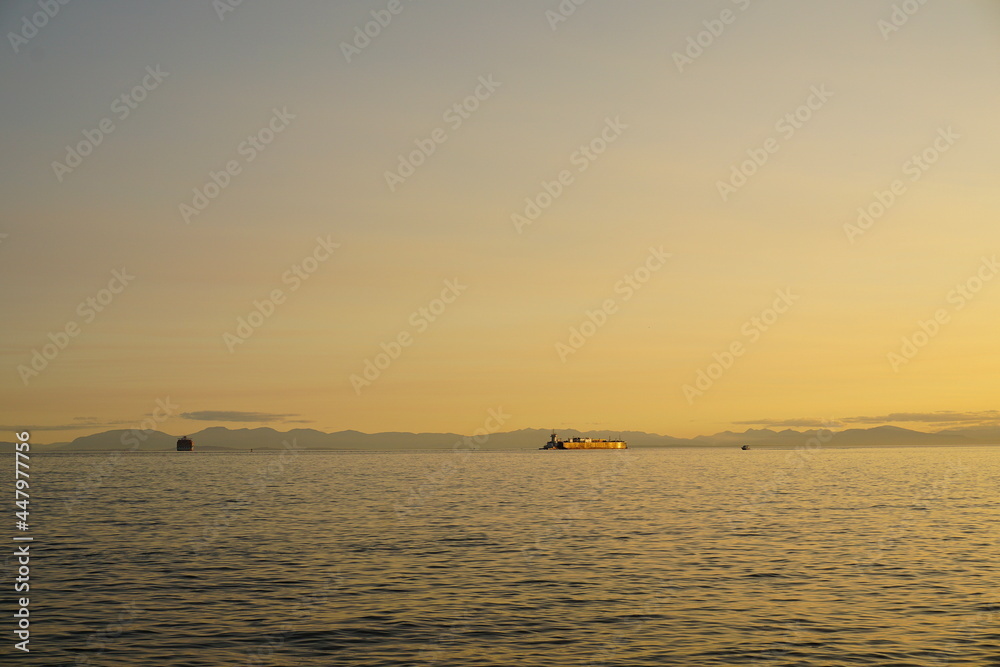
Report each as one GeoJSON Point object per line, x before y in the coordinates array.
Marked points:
{"type": "Point", "coordinates": [583, 443]}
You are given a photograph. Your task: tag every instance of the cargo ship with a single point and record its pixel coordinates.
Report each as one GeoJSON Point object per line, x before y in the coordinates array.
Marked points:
{"type": "Point", "coordinates": [185, 444]}
{"type": "Point", "coordinates": [583, 443]}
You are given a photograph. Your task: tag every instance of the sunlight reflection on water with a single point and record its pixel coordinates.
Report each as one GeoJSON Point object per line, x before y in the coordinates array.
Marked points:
{"type": "Point", "coordinates": [641, 557]}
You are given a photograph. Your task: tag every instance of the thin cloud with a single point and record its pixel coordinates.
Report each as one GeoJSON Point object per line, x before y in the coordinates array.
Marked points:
{"type": "Point", "coordinates": [236, 416]}
{"type": "Point", "coordinates": [792, 423]}
{"type": "Point", "coordinates": [81, 423]}
{"type": "Point", "coordinates": [928, 417]}
{"type": "Point", "coordinates": [941, 418]}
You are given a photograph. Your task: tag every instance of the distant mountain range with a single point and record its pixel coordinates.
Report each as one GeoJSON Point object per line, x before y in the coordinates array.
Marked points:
{"type": "Point", "coordinates": [223, 439]}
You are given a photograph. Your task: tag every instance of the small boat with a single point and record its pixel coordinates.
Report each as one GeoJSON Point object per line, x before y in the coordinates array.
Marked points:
{"type": "Point", "coordinates": [185, 444]}
{"type": "Point", "coordinates": [745, 447]}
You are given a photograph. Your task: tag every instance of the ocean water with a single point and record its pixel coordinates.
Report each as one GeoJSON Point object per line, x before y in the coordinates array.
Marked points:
{"type": "Point", "coordinates": [818, 557]}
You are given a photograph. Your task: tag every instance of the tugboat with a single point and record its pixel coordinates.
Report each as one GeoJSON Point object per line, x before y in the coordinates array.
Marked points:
{"type": "Point", "coordinates": [185, 444]}
{"type": "Point", "coordinates": [583, 443]}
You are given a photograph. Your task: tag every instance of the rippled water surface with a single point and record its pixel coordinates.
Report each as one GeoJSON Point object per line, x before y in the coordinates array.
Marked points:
{"type": "Point", "coordinates": [641, 557]}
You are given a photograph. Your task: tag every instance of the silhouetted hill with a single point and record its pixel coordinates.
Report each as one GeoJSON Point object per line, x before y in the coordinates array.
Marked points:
{"type": "Point", "coordinates": [264, 438]}
{"type": "Point", "coordinates": [893, 436]}
{"type": "Point", "coordinates": [985, 434]}
{"type": "Point", "coordinates": [121, 439]}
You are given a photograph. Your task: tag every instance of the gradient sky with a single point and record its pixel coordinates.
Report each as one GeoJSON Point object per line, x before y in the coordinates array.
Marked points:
{"type": "Point", "coordinates": [656, 186]}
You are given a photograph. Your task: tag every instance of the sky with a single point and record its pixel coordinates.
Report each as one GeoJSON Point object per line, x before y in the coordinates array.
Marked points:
{"type": "Point", "coordinates": [674, 217]}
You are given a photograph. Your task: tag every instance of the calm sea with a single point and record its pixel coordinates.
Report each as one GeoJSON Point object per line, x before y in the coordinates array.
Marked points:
{"type": "Point", "coordinates": [644, 557]}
